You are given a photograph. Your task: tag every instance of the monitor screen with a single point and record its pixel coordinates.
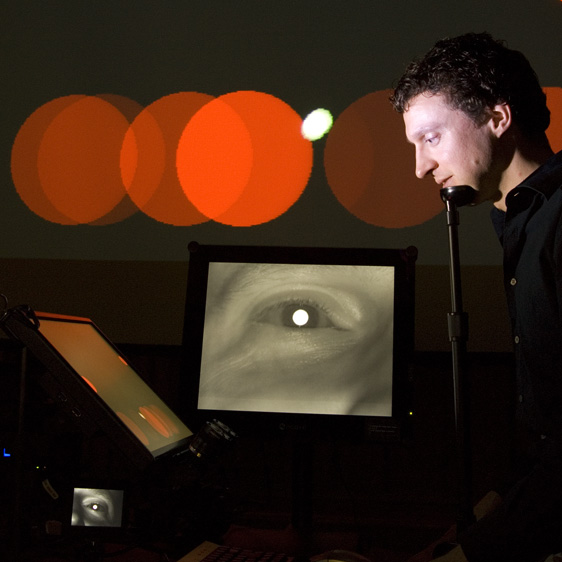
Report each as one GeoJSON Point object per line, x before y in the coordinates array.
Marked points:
{"type": "Point", "coordinates": [299, 331]}
{"type": "Point", "coordinates": [97, 507]}
{"type": "Point", "coordinates": [94, 383]}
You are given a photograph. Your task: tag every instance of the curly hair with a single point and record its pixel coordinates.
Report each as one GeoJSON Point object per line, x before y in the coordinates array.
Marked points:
{"type": "Point", "coordinates": [476, 72]}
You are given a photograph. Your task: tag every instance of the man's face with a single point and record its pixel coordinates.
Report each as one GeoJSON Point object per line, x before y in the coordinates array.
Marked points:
{"type": "Point", "coordinates": [451, 146]}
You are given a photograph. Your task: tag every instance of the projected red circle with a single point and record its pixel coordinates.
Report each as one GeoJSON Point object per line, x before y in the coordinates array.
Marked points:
{"type": "Point", "coordinates": [242, 160]}
{"type": "Point", "coordinates": [51, 148]}
{"type": "Point", "coordinates": [214, 158]}
{"type": "Point", "coordinates": [370, 166]}
{"type": "Point", "coordinates": [554, 131]}
{"type": "Point", "coordinates": [78, 159]}
{"type": "Point", "coordinates": [148, 159]}
{"type": "Point", "coordinates": [25, 174]}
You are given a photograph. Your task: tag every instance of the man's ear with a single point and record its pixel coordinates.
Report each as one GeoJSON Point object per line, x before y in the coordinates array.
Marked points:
{"type": "Point", "coordinates": [500, 119]}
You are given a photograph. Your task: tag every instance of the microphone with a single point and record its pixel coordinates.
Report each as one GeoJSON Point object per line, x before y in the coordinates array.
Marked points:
{"type": "Point", "coordinates": [458, 195]}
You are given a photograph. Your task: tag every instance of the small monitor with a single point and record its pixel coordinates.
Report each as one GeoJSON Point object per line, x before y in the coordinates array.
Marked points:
{"type": "Point", "coordinates": [298, 335]}
{"type": "Point", "coordinates": [97, 507]}
{"type": "Point", "coordinates": [92, 381]}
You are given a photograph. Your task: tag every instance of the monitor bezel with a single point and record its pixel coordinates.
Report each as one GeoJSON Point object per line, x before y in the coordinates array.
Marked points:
{"type": "Point", "coordinates": [390, 428]}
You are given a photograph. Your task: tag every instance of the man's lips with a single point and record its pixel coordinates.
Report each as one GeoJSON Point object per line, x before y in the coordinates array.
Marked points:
{"type": "Point", "coordinates": [446, 182]}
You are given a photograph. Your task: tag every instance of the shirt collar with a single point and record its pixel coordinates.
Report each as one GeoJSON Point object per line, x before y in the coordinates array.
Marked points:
{"type": "Point", "coordinates": [546, 179]}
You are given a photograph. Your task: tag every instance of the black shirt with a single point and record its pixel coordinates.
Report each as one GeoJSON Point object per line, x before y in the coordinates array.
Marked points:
{"type": "Point", "coordinates": [531, 235]}
{"type": "Point", "coordinates": [528, 525]}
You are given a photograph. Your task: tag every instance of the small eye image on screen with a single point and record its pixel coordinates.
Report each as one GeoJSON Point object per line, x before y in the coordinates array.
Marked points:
{"type": "Point", "coordinates": [97, 507]}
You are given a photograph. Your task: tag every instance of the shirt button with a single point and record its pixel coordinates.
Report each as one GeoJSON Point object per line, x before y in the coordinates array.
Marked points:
{"type": "Point", "coordinates": [513, 281]}
{"type": "Point", "coordinates": [516, 339]}
{"type": "Point", "coordinates": [520, 398]}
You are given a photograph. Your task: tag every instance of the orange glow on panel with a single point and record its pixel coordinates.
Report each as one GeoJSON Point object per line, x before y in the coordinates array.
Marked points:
{"type": "Point", "coordinates": [282, 159]}
{"type": "Point", "coordinates": [90, 384]}
{"type": "Point", "coordinates": [163, 418]}
{"type": "Point", "coordinates": [554, 131]}
{"type": "Point", "coordinates": [370, 166]}
{"type": "Point", "coordinates": [78, 159]}
{"type": "Point", "coordinates": [214, 158]}
{"type": "Point", "coordinates": [155, 421]}
{"type": "Point", "coordinates": [25, 174]}
{"type": "Point", "coordinates": [148, 159]}
{"type": "Point", "coordinates": [135, 429]}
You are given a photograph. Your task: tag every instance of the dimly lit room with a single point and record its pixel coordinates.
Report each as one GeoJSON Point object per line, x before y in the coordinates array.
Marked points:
{"type": "Point", "coordinates": [234, 324]}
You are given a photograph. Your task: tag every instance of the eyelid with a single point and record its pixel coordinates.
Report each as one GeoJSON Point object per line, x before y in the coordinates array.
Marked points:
{"type": "Point", "coordinates": [342, 312]}
{"type": "Point", "coordinates": [267, 314]}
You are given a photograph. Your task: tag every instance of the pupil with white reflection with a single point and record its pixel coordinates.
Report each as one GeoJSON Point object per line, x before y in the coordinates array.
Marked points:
{"type": "Point", "coordinates": [300, 317]}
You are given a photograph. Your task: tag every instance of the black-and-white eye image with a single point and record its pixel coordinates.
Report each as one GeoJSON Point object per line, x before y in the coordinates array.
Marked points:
{"type": "Point", "coordinates": [95, 507]}
{"type": "Point", "coordinates": [299, 338]}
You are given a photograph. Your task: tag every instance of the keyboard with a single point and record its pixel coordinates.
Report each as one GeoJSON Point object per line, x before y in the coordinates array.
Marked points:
{"type": "Point", "coordinates": [211, 552]}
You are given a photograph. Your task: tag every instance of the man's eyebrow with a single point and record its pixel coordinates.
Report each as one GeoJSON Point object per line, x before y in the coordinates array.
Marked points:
{"type": "Point", "coordinates": [420, 131]}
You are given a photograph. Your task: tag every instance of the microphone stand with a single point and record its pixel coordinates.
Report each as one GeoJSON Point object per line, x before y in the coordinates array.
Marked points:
{"type": "Point", "coordinates": [455, 197]}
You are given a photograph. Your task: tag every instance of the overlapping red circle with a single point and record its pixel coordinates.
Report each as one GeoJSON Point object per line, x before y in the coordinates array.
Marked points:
{"type": "Point", "coordinates": [238, 159]}
{"type": "Point", "coordinates": [370, 166]}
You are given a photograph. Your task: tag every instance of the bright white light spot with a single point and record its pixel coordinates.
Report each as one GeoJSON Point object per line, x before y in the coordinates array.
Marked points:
{"type": "Point", "coordinates": [300, 317]}
{"type": "Point", "coordinates": [316, 124]}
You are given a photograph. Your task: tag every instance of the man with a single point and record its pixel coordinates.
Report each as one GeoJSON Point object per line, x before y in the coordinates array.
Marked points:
{"type": "Point", "coordinates": [476, 115]}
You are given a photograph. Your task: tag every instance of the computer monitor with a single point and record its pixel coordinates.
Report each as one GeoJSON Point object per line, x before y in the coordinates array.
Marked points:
{"type": "Point", "coordinates": [92, 381]}
{"type": "Point", "coordinates": [294, 337]}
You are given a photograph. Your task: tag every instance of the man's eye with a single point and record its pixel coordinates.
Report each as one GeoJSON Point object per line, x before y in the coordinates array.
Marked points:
{"type": "Point", "coordinates": [96, 507]}
{"type": "Point", "coordinates": [432, 140]}
{"type": "Point", "coordinates": [295, 315]}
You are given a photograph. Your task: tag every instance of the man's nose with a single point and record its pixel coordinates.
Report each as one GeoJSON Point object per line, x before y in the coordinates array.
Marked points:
{"type": "Point", "coordinates": [424, 165]}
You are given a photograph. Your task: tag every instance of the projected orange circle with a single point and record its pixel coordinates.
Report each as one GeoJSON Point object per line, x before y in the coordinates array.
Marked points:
{"type": "Point", "coordinates": [130, 109]}
{"type": "Point", "coordinates": [148, 159]}
{"type": "Point", "coordinates": [370, 166]}
{"type": "Point", "coordinates": [242, 161]}
{"type": "Point", "coordinates": [554, 131]}
{"type": "Point", "coordinates": [25, 174]}
{"type": "Point", "coordinates": [78, 159]}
